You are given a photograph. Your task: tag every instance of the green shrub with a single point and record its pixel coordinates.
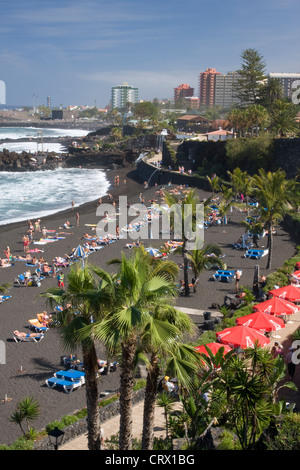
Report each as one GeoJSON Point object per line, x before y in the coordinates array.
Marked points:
{"type": "Point", "coordinates": [53, 425]}
{"type": "Point", "coordinates": [68, 420]}
{"type": "Point", "coordinates": [22, 444]}
{"type": "Point", "coordinates": [288, 433]}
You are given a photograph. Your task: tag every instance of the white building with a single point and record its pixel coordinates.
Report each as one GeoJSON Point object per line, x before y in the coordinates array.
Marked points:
{"type": "Point", "coordinates": [286, 80]}
{"type": "Point", "coordinates": [221, 134]}
{"type": "Point", "coordinates": [123, 94]}
{"type": "Point", "coordinates": [2, 92]}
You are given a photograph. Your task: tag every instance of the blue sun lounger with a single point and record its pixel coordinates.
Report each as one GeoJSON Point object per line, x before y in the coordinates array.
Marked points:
{"type": "Point", "coordinates": [224, 276]}
{"type": "Point", "coordinates": [71, 375]}
{"type": "Point", "coordinates": [67, 385]}
{"type": "Point", "coordinates": [255, 254]}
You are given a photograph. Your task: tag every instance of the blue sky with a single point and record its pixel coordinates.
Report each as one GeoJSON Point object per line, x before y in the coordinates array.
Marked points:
{"type": "Point", "coordinates": [75, 50]}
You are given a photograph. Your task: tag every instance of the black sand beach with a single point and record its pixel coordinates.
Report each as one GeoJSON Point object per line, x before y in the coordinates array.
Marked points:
{"type": "Point", "coordinates": [40, 360]}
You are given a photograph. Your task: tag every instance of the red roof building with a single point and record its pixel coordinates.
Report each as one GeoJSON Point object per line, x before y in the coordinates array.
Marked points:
{"type": "Point", "coordinates": [182, 91]}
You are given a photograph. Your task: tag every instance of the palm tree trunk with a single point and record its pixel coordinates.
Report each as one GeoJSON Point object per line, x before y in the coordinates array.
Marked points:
{"type": "Point", "coordinates": [270, 246]}
{"type": "Point", "coordinates": [149, 403]}
{"type": "Point", "coordinates": [126, 392]}
{"type": "Point", "coordinates": [91, 386]}
{"type": "Point", "coordinates": [185, 270]}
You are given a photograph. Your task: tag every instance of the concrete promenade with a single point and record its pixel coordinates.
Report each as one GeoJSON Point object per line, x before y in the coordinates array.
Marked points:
{"type": "Point", "coordinates": [111, 427]}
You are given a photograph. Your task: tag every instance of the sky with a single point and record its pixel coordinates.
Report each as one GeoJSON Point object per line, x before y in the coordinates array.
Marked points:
{"type": "Point", "coordinates": [75, 51]}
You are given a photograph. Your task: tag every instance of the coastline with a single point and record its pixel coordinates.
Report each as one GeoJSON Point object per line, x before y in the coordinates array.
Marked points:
{"type": "Point", "coordinates": [40, 360]}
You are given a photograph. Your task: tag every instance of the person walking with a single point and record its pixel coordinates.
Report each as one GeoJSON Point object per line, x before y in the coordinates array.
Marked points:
{"type": "Point", "coordinates": [237, 280]}
{"type": "Point", "coordinates": [290, 363]}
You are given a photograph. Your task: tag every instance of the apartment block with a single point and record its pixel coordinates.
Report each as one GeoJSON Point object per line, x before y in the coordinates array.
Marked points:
{"type": "Point", "coordinates": [225, 95]}
{"type": "Point", "coordinates": [182, 91]}
{"type": "Point", "coordinates": [286, 80]}
{"type": "Point", "coordinates": [123, 94]}
{"type": "Point", "coordinates": [207, 83]}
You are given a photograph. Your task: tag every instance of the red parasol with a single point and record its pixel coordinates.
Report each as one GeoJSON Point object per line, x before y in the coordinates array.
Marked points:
{"type": "Point", "coordinates": [290, 293]}
{"type": "Point", "coordinates": [276, 306]}
{"type": "Point", "coordinates": [296, 274]}
{"type": "Point", "coordinates": [242, 336]}
{"type": "Point", "coordinates": [214, 347]}
{"type": "Point", "coordinates": [261, 321]}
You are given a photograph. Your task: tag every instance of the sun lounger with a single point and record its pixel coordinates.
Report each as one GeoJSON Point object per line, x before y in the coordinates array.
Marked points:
{"type": "Point", "coordinates": [224, 276]}
{"type": "Point", "coordinates": [67, 385]}
{"type": "Point", "coordinates": [71, 375]}
{"type": "Point", "coordinates": [27, 338]}
{"type": "Point", "coordinates": [256, 254]}
{"type": "Point", "coordinates": [35, 325]}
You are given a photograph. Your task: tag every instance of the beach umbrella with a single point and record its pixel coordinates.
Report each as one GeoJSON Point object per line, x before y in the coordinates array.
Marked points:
{"type": "Point", "coordinates": [214, 347]}
{"type": "Point", "coordinates": [276, 306]}
{"type": "Point", "coordinates": [152, 251]}
{"type": "Point", "coordinates": [296, 275]}
{"type": "Point", "coordinates": [261, 321]}
{"type": "Point", "coordinates": [80, 253]}
{"type": "Point", "coordinates": [290, 293]}
{"type": "Point", "coordinates": [242, 336]}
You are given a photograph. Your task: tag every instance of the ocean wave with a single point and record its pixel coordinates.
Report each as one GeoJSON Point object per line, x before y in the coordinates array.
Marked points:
{"type": "Point", "coordinates": [30, 195]}
{"type": "Point", "coordinates": [15, 133]}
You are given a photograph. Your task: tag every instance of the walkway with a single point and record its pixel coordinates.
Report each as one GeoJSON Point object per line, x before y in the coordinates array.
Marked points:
{"type": "Point", "coordinates": [111, 427]}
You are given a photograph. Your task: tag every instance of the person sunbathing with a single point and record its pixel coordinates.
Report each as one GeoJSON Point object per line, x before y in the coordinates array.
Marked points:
{"type": "Point", "coordinates": [44, 318]}
{"type": "Point", "coordinates": [26, 335]}
{"type": "Point", "coordinates": [24, 258]}
{"type": "Point", "coordinates": [46, 268]}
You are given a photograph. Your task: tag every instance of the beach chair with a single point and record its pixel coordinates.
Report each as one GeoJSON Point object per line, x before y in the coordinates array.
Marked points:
{"type": "Point", "coordinates": [27, 338]}
{"type": "Point", "coordinates": [224, 276]}
{"type": "Point", "coordinates": [20, 279]}
{"type": "Point", "coordinates": [67, 385]}
{"type": "Point", "coordinates": [71, 375]}
{"type": "Point", "coordinates": [4, 297]}
{"type": "Point", "coordinates": [255, 254]}
{"type": "Point", "coordinates": [36, 326]}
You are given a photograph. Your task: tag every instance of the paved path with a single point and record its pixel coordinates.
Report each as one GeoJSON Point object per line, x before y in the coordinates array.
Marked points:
{"type": "Point", "coordinates": [111, 427]}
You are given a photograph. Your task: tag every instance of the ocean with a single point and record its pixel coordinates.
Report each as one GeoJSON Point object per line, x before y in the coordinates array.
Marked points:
{"type": "Point", "coordinates": [31, 195]}
{"type": "Point", "coordinates": [38, 138]}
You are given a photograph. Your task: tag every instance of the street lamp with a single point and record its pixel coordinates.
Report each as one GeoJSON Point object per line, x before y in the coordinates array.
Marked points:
{"type": "Point", "coordinates": [56, 437]}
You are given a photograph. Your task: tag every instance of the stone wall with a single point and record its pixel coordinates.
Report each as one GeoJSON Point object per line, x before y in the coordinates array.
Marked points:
{"type": "Point", "coordinates": [150, 173]}
{"type": "Point", "coordinates": [285, 155]}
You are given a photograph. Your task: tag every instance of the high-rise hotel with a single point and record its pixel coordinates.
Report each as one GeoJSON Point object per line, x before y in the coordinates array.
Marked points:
{"type": "Point", "coordinates": [123, 94]}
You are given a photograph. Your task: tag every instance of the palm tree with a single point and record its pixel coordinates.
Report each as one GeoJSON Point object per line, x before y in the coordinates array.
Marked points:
{"type": "Point", "coordinates": [188, 222]}
{"type": "Point", "coordinates": [182, 358]}
{"type": "Point", "coordinates": [27, 410]}
{"type": "Point", "coordinates": [248, 402]}
{"type": "Point", "coordinates": [275, 194]}
{"type": "Point", "coordinates": [271, 91]}
{"type": "Point", "coordinates": [202, 259]}
{"type": "Point", "coordinates": [136, 293]}
{"type": "Point", "coordinates": [84, 301]}
{"type": "Point", "coordinates": [214, 183]}
{"type": "Point", "coordinates": [258, 117]}
{"type": "Point", "coordinates": [283, 118]}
